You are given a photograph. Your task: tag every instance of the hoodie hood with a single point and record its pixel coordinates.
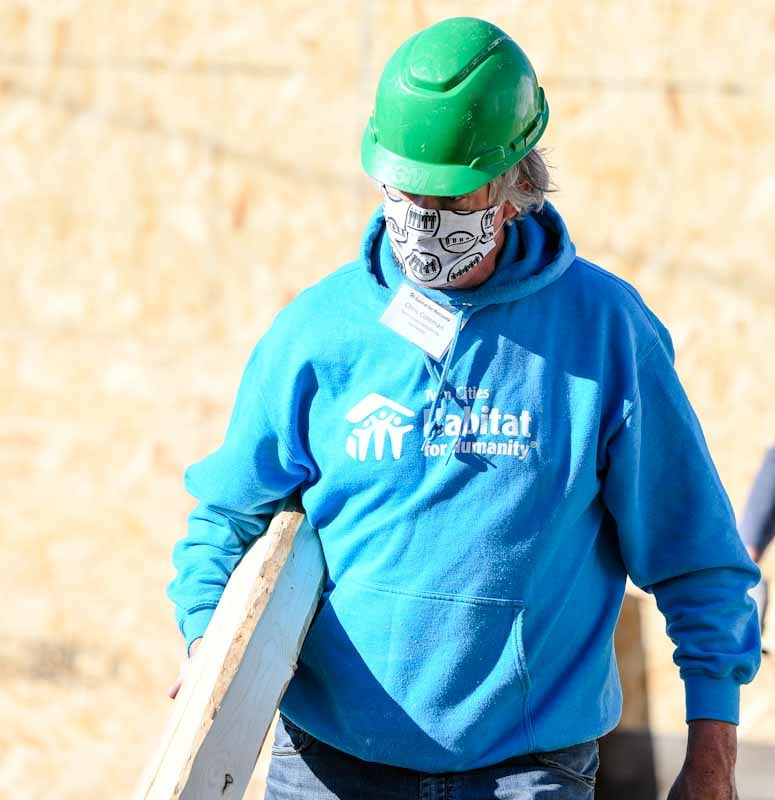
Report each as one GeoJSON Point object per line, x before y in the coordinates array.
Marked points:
{"type": "Point", "coordinates": [536, 252]}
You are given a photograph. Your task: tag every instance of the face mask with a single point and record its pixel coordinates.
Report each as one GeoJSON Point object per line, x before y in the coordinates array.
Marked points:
{"type": "Point", "coordinates": [435, 247]}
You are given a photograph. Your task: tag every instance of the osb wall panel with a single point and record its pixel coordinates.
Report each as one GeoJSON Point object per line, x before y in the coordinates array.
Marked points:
{"type": "Point", "coordinates": [171, 175]}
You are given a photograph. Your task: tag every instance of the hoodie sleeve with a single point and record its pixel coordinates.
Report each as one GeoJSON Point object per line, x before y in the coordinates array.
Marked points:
{"type": "Point", "coordinates": [238, 487]}
{"type": "Point", "coordinates": [679, 541]}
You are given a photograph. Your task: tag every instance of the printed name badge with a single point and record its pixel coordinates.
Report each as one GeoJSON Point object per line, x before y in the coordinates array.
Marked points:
{"type": "Point", "coordinates": [423, 322]}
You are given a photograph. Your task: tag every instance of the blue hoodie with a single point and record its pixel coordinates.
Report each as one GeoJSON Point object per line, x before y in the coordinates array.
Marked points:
{"type": "Point", "coordinates": [478, 516]}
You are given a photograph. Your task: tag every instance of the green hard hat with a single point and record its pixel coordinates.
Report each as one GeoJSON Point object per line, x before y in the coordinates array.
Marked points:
{"type": "Point", "coordinates": [457, 104]}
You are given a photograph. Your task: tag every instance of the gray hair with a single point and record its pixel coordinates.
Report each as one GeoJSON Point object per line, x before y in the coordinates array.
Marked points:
{"type": "Point", "coordinates": [523, 185]}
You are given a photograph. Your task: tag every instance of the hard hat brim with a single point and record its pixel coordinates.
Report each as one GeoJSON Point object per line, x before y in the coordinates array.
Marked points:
{"type": "Point", "coordinates": [417, 177]}
{"type": "Point", "coordinates": [445, 180]}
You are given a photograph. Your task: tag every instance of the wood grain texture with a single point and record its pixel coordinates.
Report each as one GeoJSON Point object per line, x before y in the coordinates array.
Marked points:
{"type": "Point", "coordinates": [240, 672]}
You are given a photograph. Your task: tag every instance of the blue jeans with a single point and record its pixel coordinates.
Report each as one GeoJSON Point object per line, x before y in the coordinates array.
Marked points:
{"type": "Point", "coordinates": [304, 768]}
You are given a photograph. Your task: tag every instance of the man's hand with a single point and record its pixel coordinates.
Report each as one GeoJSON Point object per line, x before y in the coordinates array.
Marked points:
{"type": "Point", "coordinates": [708, 772]}
{"type": "Point", "coordinates": [175, 688]}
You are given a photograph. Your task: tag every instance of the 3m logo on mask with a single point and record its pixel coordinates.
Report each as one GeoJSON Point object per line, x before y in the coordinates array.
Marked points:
{"type": "Point", "coordinates": [379, 422]}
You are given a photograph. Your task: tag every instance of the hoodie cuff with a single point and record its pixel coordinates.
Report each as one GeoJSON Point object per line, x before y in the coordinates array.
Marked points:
{"type": "Point", "coordinates": [195, 623]}
{"type": "Point", "coordinates": [712, 698]}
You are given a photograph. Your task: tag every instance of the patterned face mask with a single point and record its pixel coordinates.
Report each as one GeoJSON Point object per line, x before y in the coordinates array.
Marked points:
{"type": "Point", "coordinates": [436, 248]}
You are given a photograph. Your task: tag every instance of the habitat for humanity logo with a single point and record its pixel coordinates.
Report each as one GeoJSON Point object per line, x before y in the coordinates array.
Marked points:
{"type": "Point", "coordinates": [379, 420]}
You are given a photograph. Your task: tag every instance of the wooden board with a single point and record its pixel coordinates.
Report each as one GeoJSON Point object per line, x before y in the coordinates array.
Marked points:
{"type": "Point", "coordinates": [242, 668]}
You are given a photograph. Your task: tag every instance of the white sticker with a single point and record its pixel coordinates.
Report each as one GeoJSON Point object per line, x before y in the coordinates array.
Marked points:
{"type": "Point", "coordinates": [423, 322]}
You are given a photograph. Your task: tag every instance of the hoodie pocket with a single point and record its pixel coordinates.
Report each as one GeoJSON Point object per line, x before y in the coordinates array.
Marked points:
{"type": "Point", "coordinates": [421, 678]}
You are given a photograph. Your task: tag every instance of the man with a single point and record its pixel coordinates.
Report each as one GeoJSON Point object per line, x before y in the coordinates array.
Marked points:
{"type": "Point", "coordinates": [489, 435]}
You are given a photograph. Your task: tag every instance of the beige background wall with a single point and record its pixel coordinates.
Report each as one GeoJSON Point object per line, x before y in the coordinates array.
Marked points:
{"type": "Point", "coordinates": [172, 173]}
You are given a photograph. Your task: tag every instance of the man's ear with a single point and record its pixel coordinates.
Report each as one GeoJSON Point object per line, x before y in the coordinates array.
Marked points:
{"type": "Point", "coordinates": [509, 211]}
